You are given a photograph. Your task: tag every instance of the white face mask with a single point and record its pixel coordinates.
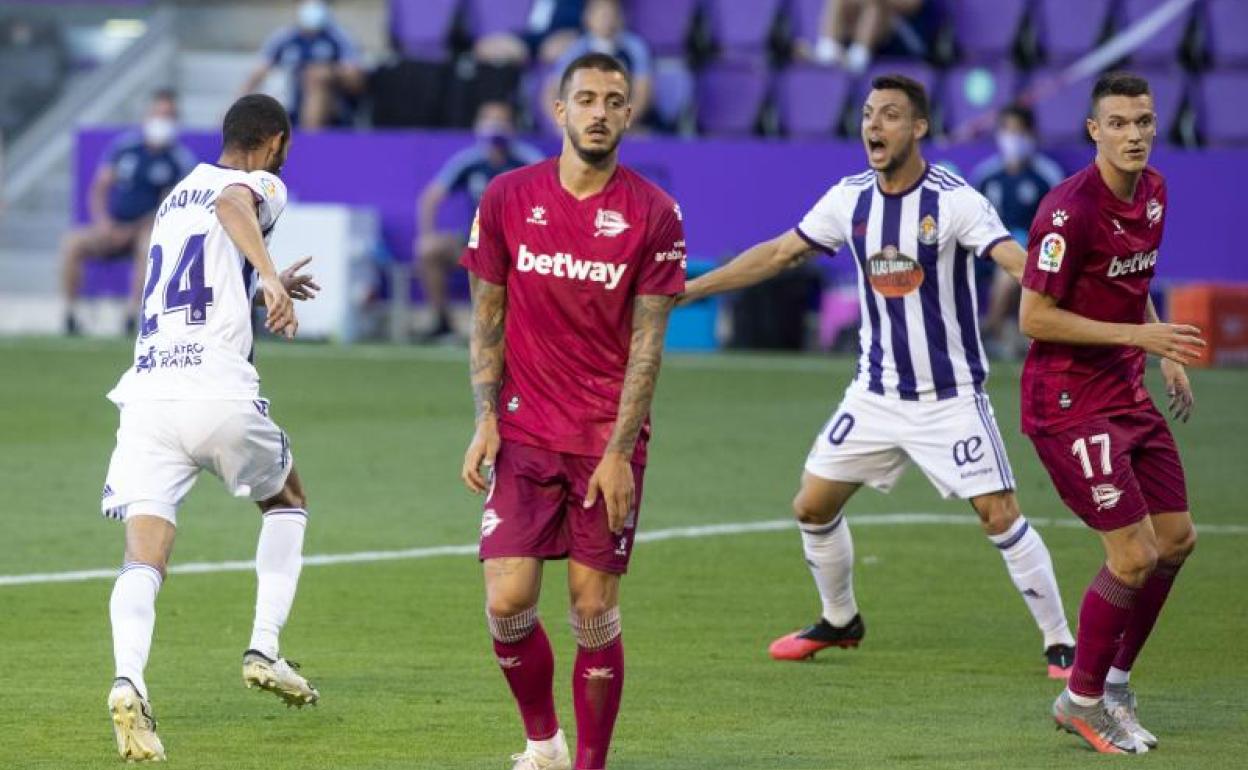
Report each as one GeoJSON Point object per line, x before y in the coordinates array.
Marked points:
{"type": "Point", "coordinates": [313, 14]}
{"type": "Point", "coordinates": [159, 132]}
{"type": "Point", "coordinates": [1014, 147]}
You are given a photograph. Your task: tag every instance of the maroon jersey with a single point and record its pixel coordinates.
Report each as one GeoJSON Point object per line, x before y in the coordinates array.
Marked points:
{"type": "Point", "coordinates": [1095, 254]}
{"type": "Point", "coordinates": [572, 270]}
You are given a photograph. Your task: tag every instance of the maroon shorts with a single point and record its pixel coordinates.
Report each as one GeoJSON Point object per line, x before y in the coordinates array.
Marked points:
{"type": "Point", "coordinates": [1114, 471]}
{"type": "Point", "coordinates": [535, 508]}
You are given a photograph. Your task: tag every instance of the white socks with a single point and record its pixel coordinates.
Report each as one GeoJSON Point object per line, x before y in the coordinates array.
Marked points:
{"type": "Point", "coordinates": [132, 610]}
{"type": "Point", "coordinates": [1117, 676]}
{"type": "Point", "coordinates": [829, 550]}
{"type": "Point", "coordinates": [1031, 569]}
{"type": "Point", "coordinates": [279, 557]}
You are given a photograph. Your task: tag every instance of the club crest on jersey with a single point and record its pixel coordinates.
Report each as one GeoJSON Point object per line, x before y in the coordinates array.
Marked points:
{"type": "Point", "coordinates": [894, 274]}
{"type": "Point", "coordinates": [1052, 251]}
{"type": "Point", "coordinates": [537, 216]}
{"type": "Point", "coordinates": [1153, 211]}
{"type": "Point", "coordinates": [928, 232]}
{"type": "Point", "coordinates": [609, 223]}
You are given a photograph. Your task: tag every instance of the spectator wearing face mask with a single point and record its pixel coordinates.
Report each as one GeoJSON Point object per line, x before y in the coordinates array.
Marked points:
{"type": "Point", "coordinates": [1014, 180]}
{"type": "Point", "coordinates": [137, 172]}
{"type": "Point", "coordinates": [495, 151]}
{"type": "Point", "coordinates": [322, 67]}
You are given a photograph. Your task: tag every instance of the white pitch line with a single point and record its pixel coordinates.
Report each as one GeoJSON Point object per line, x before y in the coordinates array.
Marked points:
{"type": "Point", "coordinates": [673, 533]}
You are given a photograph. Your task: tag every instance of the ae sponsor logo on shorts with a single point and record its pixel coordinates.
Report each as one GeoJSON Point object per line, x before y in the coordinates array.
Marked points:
{"type": "Point", "coordinates": [970, 451]}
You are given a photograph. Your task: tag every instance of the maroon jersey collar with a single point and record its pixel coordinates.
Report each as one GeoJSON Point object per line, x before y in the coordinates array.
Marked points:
{"type": "Point", "coordinates": [611, 183]}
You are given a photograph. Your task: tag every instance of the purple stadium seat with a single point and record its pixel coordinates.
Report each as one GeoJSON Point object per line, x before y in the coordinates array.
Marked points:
{"type": "Point", "coordinates": [664, 24]}
{"type": "Point", "coordinates": [1221, 108]}
{"type": "Point", "coordinates": [491, 17]}
{"type": "Point", "coordinates": [985, 30]}
{"type": "Point", "coordinates": [673, 90]}
{"type": "Point", "coordinates": [970, 91]}
{"type": "Point", "coordinates": [811, 99]}
{"type": "Point", "coordinates": [1227, 25]}
{"type": "Point", "coordinates": [730, 96]}
{"type": "Point", "coordinates": [1070, 28]}
{"type": "Point", "coordinates": [742, 28]}
{"type": "Point", "coordinates": [1061, 117]}
{"type": "Point", "coordinates": [1169, 86]}
{"type": "Point", "coordinates": [420, 27]}
{"type": "Point", "coordinates": [805, 16]}
{"type": "Point", "coordinates": [1163, 47]}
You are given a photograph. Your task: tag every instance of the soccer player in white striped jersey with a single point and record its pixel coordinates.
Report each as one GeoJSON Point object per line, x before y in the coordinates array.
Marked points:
{"type": "Point", "coordinates": [191, 402]}
{"type": "Point", "coordinates": [918, 396]}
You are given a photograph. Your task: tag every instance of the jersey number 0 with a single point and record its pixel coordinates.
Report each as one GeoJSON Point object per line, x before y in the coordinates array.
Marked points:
{"type": "Point", "coordinates": [185, 289]}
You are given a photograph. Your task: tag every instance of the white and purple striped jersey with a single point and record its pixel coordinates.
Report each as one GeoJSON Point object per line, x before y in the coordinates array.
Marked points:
{"type": "Point", "coordinates": [919, 338]}
{"type": "Point", "coordinates": [195, 335]}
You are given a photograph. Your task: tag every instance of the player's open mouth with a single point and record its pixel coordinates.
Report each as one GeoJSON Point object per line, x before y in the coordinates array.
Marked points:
{"type": "Point", "coordinates": [598, 131]}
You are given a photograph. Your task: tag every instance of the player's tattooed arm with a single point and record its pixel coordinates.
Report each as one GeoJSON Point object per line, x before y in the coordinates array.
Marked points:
{"type": "Point", "coordinates": [754, 265]}
{"type": "Point", "coordinates": [645, 354]}
{"type": "Point", "coordinates": [489, 309]}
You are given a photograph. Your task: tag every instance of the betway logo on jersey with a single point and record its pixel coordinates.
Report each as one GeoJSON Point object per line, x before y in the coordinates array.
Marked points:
{"type": "Point", "coordinates": [563, 265]}
{"type": "Point", "coordinates": [1141, 260]}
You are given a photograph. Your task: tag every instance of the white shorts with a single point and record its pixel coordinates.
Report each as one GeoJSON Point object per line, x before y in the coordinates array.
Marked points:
{"type": "Point", "coordinates": [163, 445]}
{"type": "Point", "coordinates": [872, 439]}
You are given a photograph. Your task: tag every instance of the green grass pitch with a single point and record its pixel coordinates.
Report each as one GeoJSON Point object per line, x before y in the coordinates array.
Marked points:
{"type": "Point", "coordinates": [950, 674]}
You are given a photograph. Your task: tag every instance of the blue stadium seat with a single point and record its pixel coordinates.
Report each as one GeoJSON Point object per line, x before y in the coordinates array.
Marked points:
{"type": "Point", "coordinates": [1227, 29]}
{"type": "Point", "coordinates": [811, 99]}
{"type": "Point", "coordinates": [1069, 29]}
{"type": "Point", "coordinates": [664, 24]}
{"type": "Point", "coordinates": [1220, 107]}
{"type": "Point", "coordinates": [731, 97]}
{"type": "Point", "coordinates": [1163, 47]}
{"type": "Point", "coordinates": [970, 91]}
{"type": "Point", "coordinates": [421, 28]}
{"type": "Point", "coordinates": [740, 28]}
{"type": "Point", "coordinates": [985, 30]}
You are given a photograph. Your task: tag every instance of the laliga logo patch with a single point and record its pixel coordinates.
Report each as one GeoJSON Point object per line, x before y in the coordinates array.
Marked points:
{"type": "Point", "coordinates": [1052, 251]}
{"type": "Point", "coordinates": [928, 232]}
{"type": "Point", "coordinates": [894, 274]}
{"type": "Point", "coordinates": [1153, 211]}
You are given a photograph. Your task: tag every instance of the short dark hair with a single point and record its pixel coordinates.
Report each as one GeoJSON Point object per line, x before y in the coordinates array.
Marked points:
{"type": "Point", "coordinates": [1023, 113]}
{"type": "Point", "coordinates": [594, 61]}
{"type": "Point", "coordinates": [253, 120]}
{"type": "Point", "coordinates": [1119, 84]}
{"type": "Point", "coordinates": [912, 88]}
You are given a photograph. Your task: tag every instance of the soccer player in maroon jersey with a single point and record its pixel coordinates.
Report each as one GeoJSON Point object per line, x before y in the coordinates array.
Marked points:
{"type": "Point", "coordinates": [575, 263]}
{"type": "Point", "coordinates": [1093, 248]}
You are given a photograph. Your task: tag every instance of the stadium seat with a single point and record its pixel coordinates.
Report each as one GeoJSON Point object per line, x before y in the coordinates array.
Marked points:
{"type": "Point", "coordinates": [664, 24]}
{"type": "Point", "coordinates": [1169, 87]}
{"type": "Point", "coordinates": [804, 17]}
{"type": "Point", "coordinates": [673, 92]}
{"type": "Point", "coordinates": [1061, 117]}
{"type": "Point", "coordinates": [420, 28]}
{"type": "Point", "coordinates": [1069, 29]}
{"type": "Point", "coordinates": [742, 29]}
{"type": "Point", "coordinates": [1227, 27]}
{"type": "Point", "coordinates": [985, 30]}
{"type": "Point", "coordinates": [1163, 47]}
{"type": "Point", "coordinates": [492, 17]}
{"type": "Point", "coordinates": [1220, 106]}
{"type": "Point", "coordinates": [730, 97]}
{"type": "Point", "coordinates": [811, 99]}
{"type": "Point", "coordinates": [970, 91]}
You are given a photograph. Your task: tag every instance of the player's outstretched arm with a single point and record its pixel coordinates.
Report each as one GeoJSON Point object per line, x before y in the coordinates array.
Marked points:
{"type": "Point", "coordinates": [236, 210]}
{"type": "Point", "coordinates": [485, 350]}
{"type": "Point", "coordinates": [754, 265]}
{"type": "Point", "coordinates": [1040, 318]}
{"type": "Point", "coordinates": [1011, 257]}
{"type": "Point", "coordinates": [613, 478]}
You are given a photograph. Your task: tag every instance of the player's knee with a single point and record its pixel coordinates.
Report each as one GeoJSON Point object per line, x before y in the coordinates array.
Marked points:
{"type": "Point", "coordinates": [1134, 565]}
{"type": "Point", "coordinates": [507, 622]}
{"type": "Point", "coordinates": [1175, 551]}
{"type": "Point", "coordinates": [809, 510]}
{"type": "Point", "coordinates": [594, 625]}
{"type": "Point", "coordinates": [997, 512]}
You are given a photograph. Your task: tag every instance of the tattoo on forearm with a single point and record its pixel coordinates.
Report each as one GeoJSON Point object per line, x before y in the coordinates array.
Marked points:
{"type": "Point", "coordinates": [489, 309]}
{"type": "Point", "coordinates": [650, 313]}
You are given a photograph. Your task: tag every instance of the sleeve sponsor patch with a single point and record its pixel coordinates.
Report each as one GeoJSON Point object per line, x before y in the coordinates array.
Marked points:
{"type": "Point", "coordinates": [474, 235]}
{"type": "Point", "coordinates": [1052, 251]}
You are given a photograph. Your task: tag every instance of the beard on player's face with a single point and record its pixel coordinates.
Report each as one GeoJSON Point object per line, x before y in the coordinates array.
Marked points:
{"type": "Point", "coordinates": [275, 164]}
{"type": "Point", "coordinates": [598, 152]}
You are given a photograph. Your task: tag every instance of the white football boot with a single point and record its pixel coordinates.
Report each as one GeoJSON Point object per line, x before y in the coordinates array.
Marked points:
{"type": "Point", "coordinates": [133, 724]}
{"type": "Point", "coordinates": [279, 677]}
